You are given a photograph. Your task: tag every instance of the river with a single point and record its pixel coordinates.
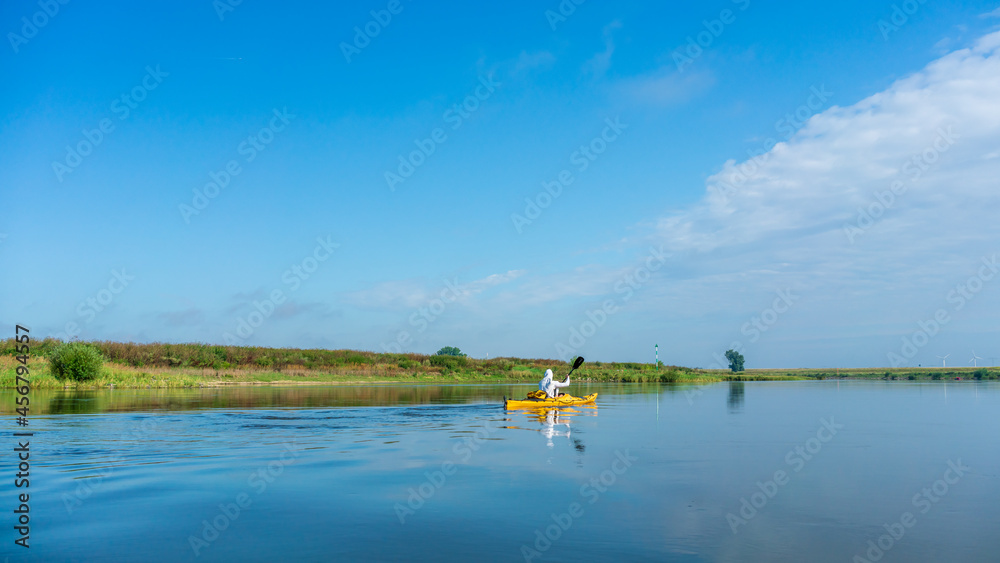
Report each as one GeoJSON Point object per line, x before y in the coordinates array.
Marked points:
{"type": "Point", "coordinates": [758, 471]}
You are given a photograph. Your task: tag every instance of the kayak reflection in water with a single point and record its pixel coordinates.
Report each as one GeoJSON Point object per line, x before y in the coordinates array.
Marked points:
{"type": "Point", "coordinates": [551, 386]}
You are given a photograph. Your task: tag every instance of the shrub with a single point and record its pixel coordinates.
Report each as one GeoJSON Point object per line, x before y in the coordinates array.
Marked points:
{"type": "Point", "coordinates": [449, 362]}
{"type": "Point", "coordinates": [499, 364]}
{"type": "Point", "coordinates": [936, 376]}
{"type": "Point", "coordinates": [981, 373]}
{"type": "Point", "coordinates": [449, 351]}
{"type": "Point", "coordinates": [669, 377]}
{"type": "Point", "coordinates": [76, 361]}
{"type": "Point", "coordinates": [357, 359]}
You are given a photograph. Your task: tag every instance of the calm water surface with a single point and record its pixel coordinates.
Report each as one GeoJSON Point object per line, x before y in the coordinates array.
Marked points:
{"type": "Point", "coordinates": [804, 471]}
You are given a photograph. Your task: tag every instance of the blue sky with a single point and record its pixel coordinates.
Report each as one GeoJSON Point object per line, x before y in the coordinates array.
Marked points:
{"type": "Point", "coordinates": [655, 237]}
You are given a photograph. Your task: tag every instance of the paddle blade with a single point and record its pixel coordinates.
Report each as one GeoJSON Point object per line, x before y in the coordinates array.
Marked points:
{"type": "Point", "coordinates": [578, 362]}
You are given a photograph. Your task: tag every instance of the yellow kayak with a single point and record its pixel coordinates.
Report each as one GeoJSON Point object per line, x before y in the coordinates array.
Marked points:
{"type": "Point", "coordinates": [561, 401]}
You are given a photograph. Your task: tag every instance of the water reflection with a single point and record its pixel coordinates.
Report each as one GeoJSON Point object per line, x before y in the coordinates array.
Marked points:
{"type": "Point", "coordinates": [354, 465]}
{"type": "Point", "coordinates": [93, 401]}
{"type": "Point", "coordinates": [555, 422]}
{"type": "Point", "coordinates": [76, 402]}
{"type": "Point", "coordinates": [735, 400]}
{"type": "Point", "coordinates": [551, 420]}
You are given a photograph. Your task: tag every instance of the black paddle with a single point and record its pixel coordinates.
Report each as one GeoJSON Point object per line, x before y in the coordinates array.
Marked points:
{"type": "Point", "coordinates": [576, 364]}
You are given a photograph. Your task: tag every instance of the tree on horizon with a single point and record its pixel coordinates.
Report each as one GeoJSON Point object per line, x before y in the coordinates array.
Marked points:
{"type": "Point", "coordinates": [735, 360]}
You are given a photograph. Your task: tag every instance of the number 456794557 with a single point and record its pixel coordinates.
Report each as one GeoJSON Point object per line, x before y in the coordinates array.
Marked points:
{"type": "Point", "coordinates": [23, 350]}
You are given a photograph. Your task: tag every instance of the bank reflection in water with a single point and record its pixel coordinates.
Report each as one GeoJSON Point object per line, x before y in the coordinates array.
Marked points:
{"type": "Point", "coordinates": [735, 399]}
{"type": "Point", "coordinates": [93, 401]}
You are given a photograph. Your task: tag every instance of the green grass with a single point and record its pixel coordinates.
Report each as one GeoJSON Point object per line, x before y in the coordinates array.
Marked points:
{"type": "Point", "coordinates": [419, 370]}
{"type": "Point", "coordinates": [128, 377]}
{"type": "Point", "coordinates": [888, 374]}
{"type": "Point", "coordinates": [191, 365]}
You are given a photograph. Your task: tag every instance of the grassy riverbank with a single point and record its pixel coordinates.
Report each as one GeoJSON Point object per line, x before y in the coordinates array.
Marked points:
{"type": "Point", "coordinates": [886, 374]}
{"type": "Point", "coordinates": [519, 371]}
{"type": "Point", "coordinates": [157, 365]}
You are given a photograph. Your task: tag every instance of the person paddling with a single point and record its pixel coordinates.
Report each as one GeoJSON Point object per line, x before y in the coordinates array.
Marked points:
{"type": "Point", "coordinates": [550, 385]}
{"type": "Point", "coordinates": [548, 391]}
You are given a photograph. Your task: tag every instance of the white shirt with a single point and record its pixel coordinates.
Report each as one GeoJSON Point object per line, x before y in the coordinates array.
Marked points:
{"type": "Point", "coordinates": [551, 386]}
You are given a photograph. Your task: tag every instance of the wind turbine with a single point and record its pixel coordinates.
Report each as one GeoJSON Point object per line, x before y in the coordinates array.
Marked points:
{"type": "Point", "coordinates": [943, 358]}
{"type": "Point", "coordinates": [974, 358]}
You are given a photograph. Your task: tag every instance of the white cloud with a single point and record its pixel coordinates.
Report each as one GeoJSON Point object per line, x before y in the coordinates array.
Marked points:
{"type": "Point", "coordinates": [783, 221]}
{"type": "Point", "coordinates": [994, 14]}
{"type": "Point", "coordinates": [783, 227]}
{"type": "Point", "coordinates": [478, 286]}
{"type": "Point", "coordinates": [390, 295]}
{"type": "Point", "coordinates": [400, 295]}
{"type": "Point", "coordinates": [527, 62]}
{"type": "Point", "coordinates": [666, 86]}
{"type": "Point", "coordinates": [599, 64]}
{"type": "Point", "coordinates": [812, 185]}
